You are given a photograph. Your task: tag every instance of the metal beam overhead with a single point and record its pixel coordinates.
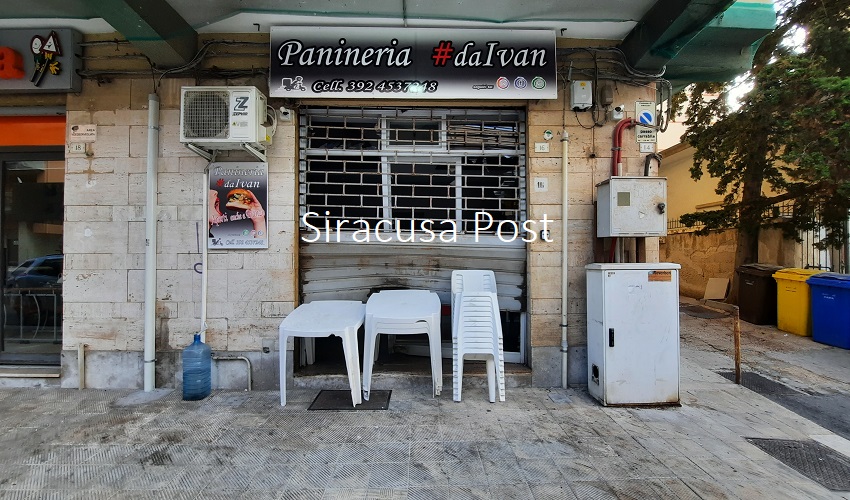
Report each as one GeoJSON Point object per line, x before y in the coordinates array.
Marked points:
{"type": "Point", "coordinates": [152, 26]}
{"type": "Point", "coordinates": [666, 28]}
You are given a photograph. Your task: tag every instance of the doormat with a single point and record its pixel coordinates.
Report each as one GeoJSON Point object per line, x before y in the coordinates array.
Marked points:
{"type": "Point", "coordinates": [341, 400]}
{"type": "Point", "coordinates": [811, 459]}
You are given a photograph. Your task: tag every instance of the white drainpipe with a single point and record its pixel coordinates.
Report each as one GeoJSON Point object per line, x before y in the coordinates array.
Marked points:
{"type": "Point", "coordinates": [205, 253]}
{"type": "Point", "coordinates": [565, 203]}
{"type": "Point", "coordinates": [150, 242]}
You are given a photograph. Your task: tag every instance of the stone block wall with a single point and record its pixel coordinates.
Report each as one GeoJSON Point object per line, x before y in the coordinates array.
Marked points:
{"type": "Point", "coordinates": [589, 153]}
{"type": "Point", "coordinates": [713, 256]}
{"type": "Point", "coordinates": [249, 290]}
{"type": "Point", "coordinates": [701, 258]}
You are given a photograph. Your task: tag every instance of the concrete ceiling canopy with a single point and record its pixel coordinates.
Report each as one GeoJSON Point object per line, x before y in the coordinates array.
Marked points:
{"type": "Point", "coordinates": [694, 40]}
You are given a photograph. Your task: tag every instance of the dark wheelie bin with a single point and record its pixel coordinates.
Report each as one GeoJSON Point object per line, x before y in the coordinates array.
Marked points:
{"type": "Point", "coordinates": [757, 293]}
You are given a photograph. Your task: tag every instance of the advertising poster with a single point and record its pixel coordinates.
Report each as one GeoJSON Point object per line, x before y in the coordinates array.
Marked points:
{"type": "Point", "coordinates": [412, 63]}
{"type": "Point", "coordinates": [238, 200]}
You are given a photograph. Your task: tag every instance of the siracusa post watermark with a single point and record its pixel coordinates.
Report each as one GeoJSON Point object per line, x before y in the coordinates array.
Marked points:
{"type": "Point", "coordinates": [382, 230]}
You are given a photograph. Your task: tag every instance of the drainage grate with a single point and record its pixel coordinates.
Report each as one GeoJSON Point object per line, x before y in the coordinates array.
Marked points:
{"type": "Point", "coordinates": [759, 384]}
{"type": "Point", "coordinates": [811, 459]}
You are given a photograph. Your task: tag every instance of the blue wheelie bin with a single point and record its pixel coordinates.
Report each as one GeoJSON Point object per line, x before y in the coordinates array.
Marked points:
{"type": "Point", "coordinates": [830, 310]}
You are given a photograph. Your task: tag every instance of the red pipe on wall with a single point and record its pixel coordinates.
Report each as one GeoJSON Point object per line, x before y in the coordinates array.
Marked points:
{"type": "Point", "coordinates": [616, 160]}
{"type": "Point", "coordinates": [617, 156]}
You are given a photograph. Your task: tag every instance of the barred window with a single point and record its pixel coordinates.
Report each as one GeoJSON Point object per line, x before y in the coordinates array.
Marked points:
{"type": "Point", "coordinates": [417, 164]}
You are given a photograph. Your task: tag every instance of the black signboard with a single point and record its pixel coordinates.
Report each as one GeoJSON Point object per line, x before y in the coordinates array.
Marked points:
{"type": "Point", "coordinates": [412, 63]}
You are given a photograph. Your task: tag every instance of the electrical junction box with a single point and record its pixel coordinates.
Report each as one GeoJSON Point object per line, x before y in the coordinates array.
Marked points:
{"type": "Point", "coordinates": [633, 333]}
{"type": "Point", "coordinates": [631, 207]}
{"type": "Point", "coordinates": [581, 94]}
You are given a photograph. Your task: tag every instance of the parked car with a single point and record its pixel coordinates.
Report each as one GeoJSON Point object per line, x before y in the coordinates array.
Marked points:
{"type": "Point", "coordinates": [39, 272]}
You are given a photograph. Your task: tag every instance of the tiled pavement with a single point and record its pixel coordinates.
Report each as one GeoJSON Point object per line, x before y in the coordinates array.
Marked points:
{"type": "Point", "coordinates": [66, 443]}
{"type": "Point", "coordinates": [92, 444]}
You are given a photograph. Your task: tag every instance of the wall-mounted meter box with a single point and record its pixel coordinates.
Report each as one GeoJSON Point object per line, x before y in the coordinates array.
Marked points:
{"type": "Point", "coordinates": [581, 94]}
{"type": "Point", "coordinates": [631, 207]}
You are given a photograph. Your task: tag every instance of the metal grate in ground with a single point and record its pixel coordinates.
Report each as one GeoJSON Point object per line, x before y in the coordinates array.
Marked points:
{"type": "Point", "coordinates": [759, 384]}
{"type": "Point", "coordinates": [811, 459]}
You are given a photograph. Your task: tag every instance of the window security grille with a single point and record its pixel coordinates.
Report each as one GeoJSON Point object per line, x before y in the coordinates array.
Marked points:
{"type": "Point", "coordinates": [405, 165]}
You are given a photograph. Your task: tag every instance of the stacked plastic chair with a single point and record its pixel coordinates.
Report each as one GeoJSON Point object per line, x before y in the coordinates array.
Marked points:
{"type": "Point", "coordinates": [477, 329]}
{"type": "Point", "coordinates": [471, 281]}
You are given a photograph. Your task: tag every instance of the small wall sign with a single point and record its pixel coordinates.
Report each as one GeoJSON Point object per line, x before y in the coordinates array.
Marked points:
{"type": "Point", "coordinates": [82, 133]}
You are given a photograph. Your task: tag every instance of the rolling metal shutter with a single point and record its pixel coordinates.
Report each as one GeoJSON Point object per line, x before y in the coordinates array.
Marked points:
{"type": "Point", "coordinates": [359, 166]}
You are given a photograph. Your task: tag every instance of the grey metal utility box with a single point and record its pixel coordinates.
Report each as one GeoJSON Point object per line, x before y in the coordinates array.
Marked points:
{"type": "Point", "coordinates": [631, 207]}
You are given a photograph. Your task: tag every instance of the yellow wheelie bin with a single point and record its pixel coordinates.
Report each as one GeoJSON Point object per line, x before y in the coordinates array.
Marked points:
{"type": "Point", "coordinates": [793, 300]}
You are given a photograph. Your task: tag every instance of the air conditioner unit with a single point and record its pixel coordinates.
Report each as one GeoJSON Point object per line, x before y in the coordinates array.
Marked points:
{"type": "Point", "coordinates": [223, 118]}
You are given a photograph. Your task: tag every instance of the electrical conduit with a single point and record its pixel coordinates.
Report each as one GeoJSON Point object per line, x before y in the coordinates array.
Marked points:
{"type": "Point", "coordinates": [617, 167]}
{"type": "Point", "coordinates": [150, 243]}
{"type": "Point", "coordinates": [565, 203]}
{"type": "Point", "coordinates": [617, 157]}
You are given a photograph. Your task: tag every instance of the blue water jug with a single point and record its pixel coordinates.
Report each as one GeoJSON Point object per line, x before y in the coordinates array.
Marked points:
{"type": "Point", "coordinates": [197, 361]}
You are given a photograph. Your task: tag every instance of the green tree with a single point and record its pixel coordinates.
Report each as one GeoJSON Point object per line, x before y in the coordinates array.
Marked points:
{"type": "Point", "coordinates": [791, 131]}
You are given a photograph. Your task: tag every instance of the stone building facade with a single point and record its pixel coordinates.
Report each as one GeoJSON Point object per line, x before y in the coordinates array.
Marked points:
{"type": "Point", "coordinates": [251, 291]}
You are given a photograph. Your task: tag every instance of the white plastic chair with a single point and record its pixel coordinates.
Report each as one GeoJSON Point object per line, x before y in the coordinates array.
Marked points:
{"type": "Point", "coordinates": [474, 280]}
{"type": "Point", "coordinates": [471, 281]}
{"type": "Point", "coordinates": [402, 312]}
{"type": "Point", "coordinates": [478, 335]}
{"type": "Point", "coordinates": [308, 351]}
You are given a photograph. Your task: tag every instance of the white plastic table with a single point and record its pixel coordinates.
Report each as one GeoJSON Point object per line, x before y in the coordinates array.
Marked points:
{"type": "Point", "coordinates": [401, 312]}
{"type": "Point", "coordinates": [324, 318]}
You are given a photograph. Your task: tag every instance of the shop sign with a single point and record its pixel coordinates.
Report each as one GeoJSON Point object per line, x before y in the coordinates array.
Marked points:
{"type": "Point", "coordinates": [238, 200]}
{"type": "Point", "coordinates": [40, 60]}
{"type": "Point", "coordinates": [412, 63]}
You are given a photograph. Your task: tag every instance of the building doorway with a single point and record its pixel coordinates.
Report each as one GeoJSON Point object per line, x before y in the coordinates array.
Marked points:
{"type": "Point", "coordinates": [31, 226]}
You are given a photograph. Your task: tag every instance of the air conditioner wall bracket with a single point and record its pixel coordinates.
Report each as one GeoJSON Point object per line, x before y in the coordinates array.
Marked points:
{"type": "Point", "coordinates": [207, 155]}
{"type": "Point", "coordinates": [258, 153]}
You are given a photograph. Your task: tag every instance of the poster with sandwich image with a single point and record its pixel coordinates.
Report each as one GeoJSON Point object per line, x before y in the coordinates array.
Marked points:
{"type": "Point", "coordinates": [238, 197]}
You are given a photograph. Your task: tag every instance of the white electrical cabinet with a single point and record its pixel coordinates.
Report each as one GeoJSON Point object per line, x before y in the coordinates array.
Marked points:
{"type": "Point", "coordinates": [631, 207]}
{"type": "Point", "coordinates": [633, 333]}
